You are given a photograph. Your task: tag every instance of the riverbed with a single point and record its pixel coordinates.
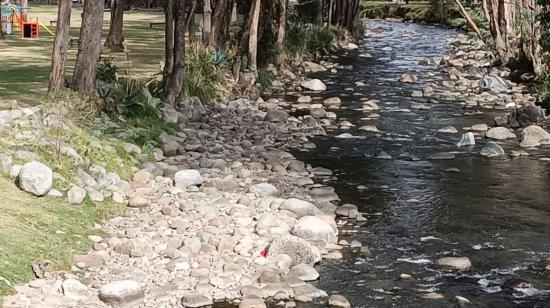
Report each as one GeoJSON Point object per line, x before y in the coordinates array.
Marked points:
{"type": "Point", "coordinates": [495, 212]}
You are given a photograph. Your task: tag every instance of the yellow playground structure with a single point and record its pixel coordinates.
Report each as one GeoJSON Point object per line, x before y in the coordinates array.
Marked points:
{"type": "Point", "coordinates": [15, 17]}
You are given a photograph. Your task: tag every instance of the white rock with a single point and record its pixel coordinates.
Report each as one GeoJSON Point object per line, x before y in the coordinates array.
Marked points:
{"type": "Point", "coordinates": [532, 136]}
{"type": "Point", "coordinates": [467, 139]}
{"type": "Point", "coordinates": [454, 263]}
{"type": "Point", "coordinates": [186, 178]}
{"type": "Point", "coordinates": [74, 289]}
{"type": "Point", "coordinates": [313, 85]}
{"type": "Point", "coordinates": [123, 292]}
{"type": "Point", "coordinates": [36, 178]}
{"type": "Point", "coordinates": [263, 190]}
{"type": "Point", "coordinates": [195, 301]}
{"type": "Point", "coordinates": [300, 207]}
{"type": "Point", "coordinates": [338, 301]}
{"type": "Point", "coordinates": [76, 195]}
{"type": "Point", "coordinates": [500, 133]}
{"type": "Point", "coordinates": [316, 230]}
{"type": "Point", "coordinates": [304, 272]}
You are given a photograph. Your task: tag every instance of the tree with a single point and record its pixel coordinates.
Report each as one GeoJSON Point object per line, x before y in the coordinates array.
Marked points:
{"type": "Point", "coordinates": [253, 37]}
{"type": "Point", "coordinates": [179, 19]}
{"type": "Point", "coordinates": [115, 38]}
{"type": "Point", "coordinates": [281, 31]}
{"type": "Point", "coordinates": [1, 29]}
{"type": "Point", "coordinates": [89, 47]}
{"type": "Point", "coordinates": [206, 21]}
{"type": "Point", "coordinates": [60, 46]}
{"type": "Point", "coordinates": [516, 32]}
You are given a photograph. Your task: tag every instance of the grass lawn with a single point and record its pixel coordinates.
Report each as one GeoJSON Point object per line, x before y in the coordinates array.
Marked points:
{"type": "Point", "coordinates": [42, 228]}
{"type": "Point", "coordinates": [414, 11]}
{"type": "Point", "coordinates": [25, 63]}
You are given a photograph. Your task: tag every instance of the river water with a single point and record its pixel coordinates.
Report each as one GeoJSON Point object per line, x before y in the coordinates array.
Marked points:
{"type": "Point", "coordinates": [495, 212]}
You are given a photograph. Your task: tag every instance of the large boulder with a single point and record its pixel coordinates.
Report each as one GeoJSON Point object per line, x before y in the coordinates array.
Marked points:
{"type": "Point", "coordinates": [313, 85]}
{"type": "Point", "coordinates": [316, 229]}
{"type": "Point", "coordinates": [188, 177]}
{"type": "Point", "coordinates": [532, 136]}
{"type": "Point", "coordinates": [311, 67]}
{"type": "Point", "coordinates": [76, 195]}
{"type": "Point", "coordinates": [35, 178]}
{"type": "Point", "coordinates": [300, 250]}
{"type": "Point", "coordinates": [467, 140]}
{"type": "Point", "coordinates": [123, 293]}
{"type": "Point", "coordinates": [500, 133]}
{"type": "Point", "coordinates": [299, 207]}
{"type": "Point", "coordinates": [492, 149]}
{"type": "Point", "coordinates": [493, 84]}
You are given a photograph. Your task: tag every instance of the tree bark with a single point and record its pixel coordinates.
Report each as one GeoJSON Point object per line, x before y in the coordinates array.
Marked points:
{"type": "Point", "coordinates": [207, 22]}
{"type": "Point", "coordinates": [1, 29]}
{"type": "Point", "coordinates": [89, 47]}
{"type": "Point", "coordinates": [182, 13]}
{"type": "Point", "coordinates": [280, 44]}
{"type": "Point", "coordinates": [60, 46]}
{"type": "Point", "coordinates": [168, 42]}
{"type": "Point", "coordinates": [115, 38]}
{"type": "Point", "coordinates": [253, 37]}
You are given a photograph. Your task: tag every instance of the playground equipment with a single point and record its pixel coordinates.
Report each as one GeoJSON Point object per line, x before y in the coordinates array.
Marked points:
{"type": "Point", "coordinates": [14, 16]}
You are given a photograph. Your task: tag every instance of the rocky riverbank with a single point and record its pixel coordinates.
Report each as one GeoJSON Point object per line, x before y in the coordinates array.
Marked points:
{"type": "Point", "coordinates": [219, 212]}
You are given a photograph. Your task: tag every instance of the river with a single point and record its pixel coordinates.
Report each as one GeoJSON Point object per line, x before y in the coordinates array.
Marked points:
{"type": "Point", "coordinates": [495, 212]}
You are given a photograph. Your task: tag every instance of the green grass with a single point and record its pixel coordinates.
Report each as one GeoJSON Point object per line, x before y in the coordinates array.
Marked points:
{"type": "Point", "coordinates": [413, 11]}
{"type": "Point", "coordinates": [25, 62]}
{"type": "Point", "coordinates": [42, 228]}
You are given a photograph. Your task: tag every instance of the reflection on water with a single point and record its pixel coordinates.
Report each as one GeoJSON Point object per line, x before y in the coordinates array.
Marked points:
{"type": "Point", "coordinates": [496, 212]}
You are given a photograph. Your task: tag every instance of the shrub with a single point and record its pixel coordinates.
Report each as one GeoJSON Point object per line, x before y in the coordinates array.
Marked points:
{"type": "Point", "coordinates": [310, 39]}
{"type": "Point", "coordinates": [201, 72]}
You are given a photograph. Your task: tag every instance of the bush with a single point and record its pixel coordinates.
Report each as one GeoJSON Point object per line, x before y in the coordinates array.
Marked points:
{"type": "Point", "coordinates": [201, 72]}
{"type": "Point", "coordinates": [310, 39]}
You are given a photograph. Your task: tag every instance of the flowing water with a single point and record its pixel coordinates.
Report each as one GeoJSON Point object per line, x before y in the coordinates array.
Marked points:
{"type": "Point", "coordinates": [495, 212]}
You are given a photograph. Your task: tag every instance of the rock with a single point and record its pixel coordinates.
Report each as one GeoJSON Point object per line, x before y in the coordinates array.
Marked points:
{"type": "Point", "coordinates": [338, 301]}
{"type": "Point", "coordinates": [532, 136]}
{"type": "Point", "coordinates": [304, 99]}
{"type": "Point", "coordinates": [468, 139]}
{"type": "Point", "coordinates": [316, 230]}
{"type": "Point", "coordinates": [405, 277]}
{"type": "Point", "coordinates": [35, 178]}
{"type": "Point", "coordinates": [263, 190]}
{"type": "Point", "coordinates": [408, 78]}
{"type": "Point", "coordinates": [74, 289]}
{"type": "Point", "coordinates": [5, 163]}
{"type": "Point", "coordinates": [304, 272]}
{"type": "Point", "coordinates": [433, 295]}
{"type": "Point", "coordinates": [170, 148]}
{"type": "Point", "coordinates": [500, 133]}
{"type": "Point", "coordinates": [300, 207]}
{"type": "Point", "coordinates": [493, 84]}
{"type": "Point", "coordinates": [417, 93]}
{"type": "Point", "coordinates": [131, 148]}
{"type": "Point", "coordinates": [462, 300]}
{"type": "Point", "coordinates": [187, 177]}
{"type": "Point", "coordinates": [480, 127]}
{"type": "Point", "coordinates": [313, 85]}
{"type": "Point", "coordinates": [252, 303]}
{"type": "Point", "coordinates": [269, 224]}
{"type": "Point", "coordinates": [54, 193]}
{"type": "Point", "coordinates": [455, 264]}
{"type": "Point", "coordinates": [122, 293]}
{"type": "Point", "coordinates": [442, 156]}
{"type": "Point", "coordinates": [196, 300]}
{"type": "Point", "coordinates": [369, 128]}
{"type": "Point", "coordinates": [300, 250]}
{"type": "Point", "coordinates": [138, 202]}
{"type": "Point", "coordinates": [448, 129]}
{"type": "Point", "coordinates": [310, 67]}
{"type": "Point", "coordinates": [274, 115]}
{"type": "Point", "coordinates": [332, 103]}
{"type": "Point", "coordinates": [351, 46]}
{"type": "Point", "coordinates": [347, 210]}
{"type": "Point", "coordinates": [191, 109]}
{"type": "Point", "coordinates": [492, 149]}
{"type": "Point", "coordinates": [76, 195]}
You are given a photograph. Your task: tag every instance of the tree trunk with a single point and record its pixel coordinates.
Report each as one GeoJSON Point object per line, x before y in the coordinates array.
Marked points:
{"type": "Point", "coordinates": [89, 47]}
{"type": "Point", "coordinates": [168, 42]}
{"type": "Point", "coordinates": [221, 22]}
{"type": "Point", "coordinates": [60, 46]}
{"type": "Point", "coordinates": [253, 38]}
{"type": "Point", "coordinates": [1, 29]}
{"type": "Point", "coordinates": [182, 13]}
{"type": "Point", "coordinates": [516, 32]}
{"type": "Point", "coordinates": [280, 44]}
{"type": "Point", "coordinates": [207, 22]}
{"type": "Point", "coordinates": [115, 38]}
